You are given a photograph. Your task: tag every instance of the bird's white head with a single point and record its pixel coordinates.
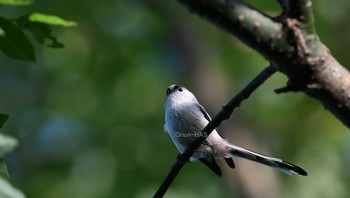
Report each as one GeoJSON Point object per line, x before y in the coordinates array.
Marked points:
{"type": "Point", "coordinates": [178, 94]}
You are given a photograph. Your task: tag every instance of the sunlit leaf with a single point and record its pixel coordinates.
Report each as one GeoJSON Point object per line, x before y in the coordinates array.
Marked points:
{"type": "Point", "coordinates": [16, 2]}
{"type": "Point", "coordinates": [7, 144]}
{"type": "Point", "coordinates": [3, 119]}
{"type": "Point", "coordinates": [14, 43]}
{"type": "Point", "coordinates": [8, 191]}
{"type": "Point", "coordinates": [51, 20]}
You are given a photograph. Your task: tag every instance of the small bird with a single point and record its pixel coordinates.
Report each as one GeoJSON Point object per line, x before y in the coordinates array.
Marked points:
{"type": "Point", "coordinates": [184, 120]}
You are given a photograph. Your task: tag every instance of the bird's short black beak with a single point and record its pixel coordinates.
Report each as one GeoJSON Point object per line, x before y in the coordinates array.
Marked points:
{"type": "Point", "coordinates": [168, 91]}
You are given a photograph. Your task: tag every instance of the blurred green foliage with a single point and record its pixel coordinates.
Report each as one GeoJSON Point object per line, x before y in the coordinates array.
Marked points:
{"type": "Point", "coordinates": [15, 44]}
{"type": "Point", "coordinates": [89, 117]}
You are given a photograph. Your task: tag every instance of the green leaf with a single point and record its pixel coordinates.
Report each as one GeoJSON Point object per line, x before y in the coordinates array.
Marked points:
{"type": "Point", "coordinates": [8, 191]}
{"type": "Point", "coordinates": [7, 144]}
{"type": "Point", "coordinates": [41, 32]}
{"type": "Point", "coordinates": [14, 43]}
{"type": "Point", "coordinates": [3, 119]}
{"type": "Point", "coordinates": [51, 20]}
{"type": "Point", "coordinates": [16, 2]}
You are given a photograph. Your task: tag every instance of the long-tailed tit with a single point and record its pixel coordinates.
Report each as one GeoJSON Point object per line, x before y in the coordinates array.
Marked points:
{"type": "Point", "coordinates": [184, 120]}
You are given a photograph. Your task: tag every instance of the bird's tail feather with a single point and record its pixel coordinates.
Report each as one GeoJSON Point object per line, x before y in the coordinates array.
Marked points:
{"type": "Point", "coordinates": [266, 160]}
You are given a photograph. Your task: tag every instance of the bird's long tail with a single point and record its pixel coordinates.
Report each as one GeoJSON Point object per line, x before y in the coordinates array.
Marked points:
{"type": "Point", "coordinates": [266, 160]}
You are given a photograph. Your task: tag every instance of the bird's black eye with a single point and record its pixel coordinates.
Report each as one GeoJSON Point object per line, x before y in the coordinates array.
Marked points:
{"type": "Point", "coordinates": [178, 87]}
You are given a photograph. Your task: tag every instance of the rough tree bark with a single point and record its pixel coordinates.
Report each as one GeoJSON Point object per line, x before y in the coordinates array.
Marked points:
{"type": "Point", "coordinates": [290, 43]}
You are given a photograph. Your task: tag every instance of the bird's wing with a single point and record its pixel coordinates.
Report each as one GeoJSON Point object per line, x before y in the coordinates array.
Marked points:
{"type": "Point", "coordinates": [205, 114]}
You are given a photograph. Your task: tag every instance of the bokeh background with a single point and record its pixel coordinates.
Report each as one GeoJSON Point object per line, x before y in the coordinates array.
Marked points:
{"type": "Point", "coordinates": [90, 117]}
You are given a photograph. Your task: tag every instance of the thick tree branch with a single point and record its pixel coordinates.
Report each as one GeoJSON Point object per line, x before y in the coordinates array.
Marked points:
{"type": "Point", "coordinates": [252, 27]}
{"type": "Point", "coordinates": [224, 114]}
{"type": "Point", "coordinates": [290, 43]}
